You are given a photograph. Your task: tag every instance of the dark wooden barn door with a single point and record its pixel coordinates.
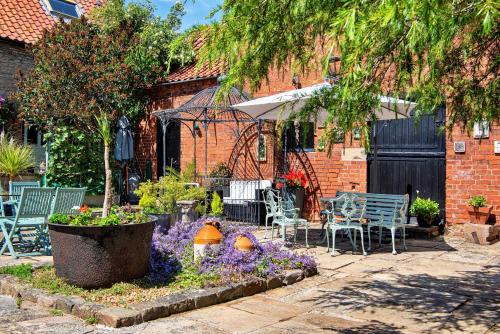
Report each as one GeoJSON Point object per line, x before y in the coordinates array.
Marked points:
{"type": "Point", "coordinates": [407, 156]}
{"type": "Point", "coordinates": [172, 147]}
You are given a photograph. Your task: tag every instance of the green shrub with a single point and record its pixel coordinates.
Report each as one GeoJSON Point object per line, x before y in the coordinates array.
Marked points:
{"type": "Point", "coordinates": [59, 218]}
{"type": "Point", "coordinates": [477, 201]}
{"type": "Point", "coordinates": [217, 207]}
{"type": "Point", "coordinates": [162, 196]}
{"type": "Point", "coordinates": [425, 208]}
{"type": "Point", "coordinates": [86, 166]}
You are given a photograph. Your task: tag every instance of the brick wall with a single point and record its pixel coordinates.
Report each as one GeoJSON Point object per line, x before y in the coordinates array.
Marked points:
{"type": "Point", "coordinates": [165, 97]}
{"type": "Point", "coordinates": [475, 172]}
{"type": "Point", "coordinates": [326, 174]}
{"type": "Point", "coordinates": [13, 57]}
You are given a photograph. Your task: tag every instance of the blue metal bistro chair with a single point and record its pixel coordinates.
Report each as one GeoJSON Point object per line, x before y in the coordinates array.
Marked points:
{"type": "Point", "coordinates": [27, 231]}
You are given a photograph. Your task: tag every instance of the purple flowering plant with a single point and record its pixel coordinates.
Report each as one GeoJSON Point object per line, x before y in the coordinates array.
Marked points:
{"type": "Point", "coordinates": [172, 256]}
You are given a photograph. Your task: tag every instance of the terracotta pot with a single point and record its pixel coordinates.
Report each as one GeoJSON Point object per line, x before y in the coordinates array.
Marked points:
{"type": "Point", "coordinates": [208, 235]}
{"type": "Point", "coordinates": [480, 215]}
{"type": "Point", "coordinates": [243, 243]}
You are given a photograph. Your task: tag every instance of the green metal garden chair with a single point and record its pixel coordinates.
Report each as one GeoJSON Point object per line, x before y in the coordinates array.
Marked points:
{"type": "Point", "coordinates": [68, 200]}
{"type": "Point", "coordinates": [268, 205]}
{"type": "Point", "coordinates": [16, 188]}
{"type": "Point", "coordinates": [285, 217]}
{"type": "Point", "coordinates": [352, 209]}
{"type": "Point", "coordinates": [28, 229]}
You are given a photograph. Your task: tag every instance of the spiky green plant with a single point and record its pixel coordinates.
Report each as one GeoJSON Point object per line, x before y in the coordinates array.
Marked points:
{"type": "Point", "coordinates": [15, 158]}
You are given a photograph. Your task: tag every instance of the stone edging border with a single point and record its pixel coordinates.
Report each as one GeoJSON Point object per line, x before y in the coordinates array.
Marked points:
{"type": "Point", "coordinates": [146, 311]}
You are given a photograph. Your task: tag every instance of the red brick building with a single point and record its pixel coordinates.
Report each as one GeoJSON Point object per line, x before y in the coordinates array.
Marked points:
{"type": "Point", "coordinates": [22, 23]}
{"type": "Point", "coordinates": [425, 161]}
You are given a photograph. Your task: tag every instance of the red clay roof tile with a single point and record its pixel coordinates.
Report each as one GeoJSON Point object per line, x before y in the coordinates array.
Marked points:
{"type": "Point", "coordinates": [193, 72]}
{"type": "Point", "coordinates": [25, 20]}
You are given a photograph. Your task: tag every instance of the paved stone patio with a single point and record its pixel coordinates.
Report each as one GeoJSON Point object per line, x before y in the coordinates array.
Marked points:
{"type": "Point", "coordinates": [443, 285]}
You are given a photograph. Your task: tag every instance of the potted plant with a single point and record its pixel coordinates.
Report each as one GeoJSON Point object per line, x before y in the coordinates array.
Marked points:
{"type": "Point", "coordinates": [295, 182]}
{"type": "Point", "coordinates": [91, 251]}
{"type": "Point", "coordinates": [15, 158]}
{"type": "Point", "coordinates": [159, 199]}
{"type": "Point", "coordinates": [216, 207]}
{"type": "Point", "coordinates": [479, 211]}
{"type": "Point", "coordinates": [426, 211]}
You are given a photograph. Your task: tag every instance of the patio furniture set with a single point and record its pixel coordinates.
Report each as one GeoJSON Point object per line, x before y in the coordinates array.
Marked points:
{"type": "Point", "coordinates": [26, 228]}
{"type": "Point", "coordinates": [346, 212]}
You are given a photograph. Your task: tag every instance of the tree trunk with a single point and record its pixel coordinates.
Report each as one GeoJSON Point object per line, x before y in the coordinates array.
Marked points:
{"type": "Point", "coordinates": [107, 188]}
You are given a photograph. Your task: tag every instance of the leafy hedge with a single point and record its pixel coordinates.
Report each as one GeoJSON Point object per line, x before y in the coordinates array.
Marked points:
{"type": "Point", "coordinates": [75, 159]}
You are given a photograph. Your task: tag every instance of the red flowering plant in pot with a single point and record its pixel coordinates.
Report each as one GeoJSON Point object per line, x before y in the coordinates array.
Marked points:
{"type": "Point", "coordinates": [479, 211]}
{"type": "Point", "coordinates": [295, 182]}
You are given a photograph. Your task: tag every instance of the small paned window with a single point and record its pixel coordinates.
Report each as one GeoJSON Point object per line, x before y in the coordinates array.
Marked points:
{"type": "Point", "coordinates": [64, 8]}
{"type": "Point", "coordinates": [300, 136]}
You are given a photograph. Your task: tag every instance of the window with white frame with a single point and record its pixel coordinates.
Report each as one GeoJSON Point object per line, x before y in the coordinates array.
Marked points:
{"type": "Point", "coordinates": [64, 8]}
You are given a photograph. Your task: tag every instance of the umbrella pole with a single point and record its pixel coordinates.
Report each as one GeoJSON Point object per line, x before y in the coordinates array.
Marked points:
{"type": "Point", "coordinates": [164, 125]}
{"type": "Point", "coordinates": [126, 183]}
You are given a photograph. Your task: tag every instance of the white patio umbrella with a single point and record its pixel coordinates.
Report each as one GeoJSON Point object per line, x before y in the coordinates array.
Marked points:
{"type": "Point", "coordinates": [282, 105]}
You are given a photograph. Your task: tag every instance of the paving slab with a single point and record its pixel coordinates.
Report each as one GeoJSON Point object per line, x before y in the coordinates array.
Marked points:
{"type": "Point", "coordinates": [401, 320]}
{"type": "Point", "coordinates": [61, 324]}
{"type": "Point", "coordinates": [179, 325]}
{"type": "Point", "coordinates": [436, 268]}
{"type": "Point", "coordinates": [230, 319]}
{"type": "Point", "coordinates": [281, 292]}
{"type": "Point", "coordinates": [268, 307]}
{"type": "Point", "coordinates": [442, 285]}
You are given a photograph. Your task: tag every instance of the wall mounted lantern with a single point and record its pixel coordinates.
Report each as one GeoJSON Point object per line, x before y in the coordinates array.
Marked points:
{"type": "Point", "coordinates": [333, 70]}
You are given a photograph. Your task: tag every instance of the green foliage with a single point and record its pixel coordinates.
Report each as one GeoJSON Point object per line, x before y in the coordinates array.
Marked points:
{"type": "Point", "coordinates": [92, 320]}
{"type": "Point", "coordinates": [478, 201]}
{"type": "Point", "coordinates": [59, 218]}
{"type": "Point", "coordinates": [117, 216]}
{"type": "Point", "coordinates": [191, 278]}
{"type": "Point", "coordinates": [79, 73]}
{"type": "Point", "coordinates": [221, 170]}
{"type": "Point", "coordinates": [104, 128]}
{"type": "Point", "coordinates": [7, 116]}
{"type": "Point", "coordinates": [162, 196]}
{"type": "Point", "coordinates": [15, 158]}
{"type": "Point", "coordinates": [148, 202]}
{"type": "Point", "coordinates": [22, 271]}
{"type": "Point", "coordinates": [425, 208]}
{"type": "Point", "coordinates": [217, 207]}
{"type": "Point", "coordinates": [86, 166]}
{"type": "Point", "coordinates": [431, 51]}
{"type": "Point", "coordinates": [158, 45]}
{"type": "Point", "coordinates": [82, 219]}
{"type": "Point", "coordinates": [109, 220]}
